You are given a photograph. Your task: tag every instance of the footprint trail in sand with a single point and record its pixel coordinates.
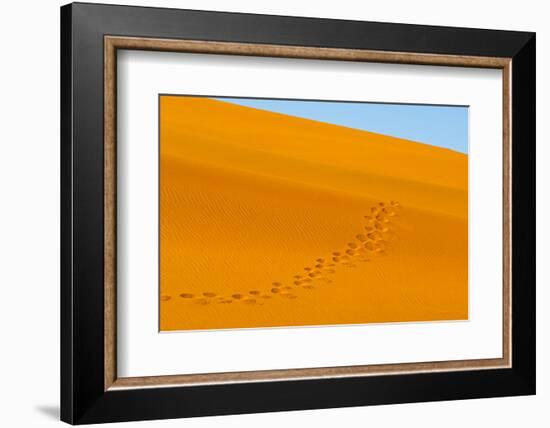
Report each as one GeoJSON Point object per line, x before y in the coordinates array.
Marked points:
{"type": "Point", "coordinates": [373, 240]}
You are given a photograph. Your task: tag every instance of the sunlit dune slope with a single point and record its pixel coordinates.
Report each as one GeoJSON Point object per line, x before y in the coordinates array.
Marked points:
{"type": "Point", "coordinates": [271, 220]}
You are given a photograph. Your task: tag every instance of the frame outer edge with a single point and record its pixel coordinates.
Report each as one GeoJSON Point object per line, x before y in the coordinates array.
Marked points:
{"type": "Point", "coordinates": [66, 161]}
{"type": "Point", "coordinates": [82, 401]}
{"type": "Point", "coordinates": [524, 215]}
{"type": "Point", "coordinates": [87, 212]}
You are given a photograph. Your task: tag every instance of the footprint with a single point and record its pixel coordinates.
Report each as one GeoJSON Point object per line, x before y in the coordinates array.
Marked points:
{"type": "Point", "coordinates": [249, 301]}
{"type": "Point", "coordinates": [254, 292]}
{"type": "Point", "coordinates": [374, 235]}
{"type": "Point", "coordinates": [237, 296]}
{"type": "Point", "coordinates": [209, 294]}
{"type": "Point", "coordinates": [389, 211]}
{"type": "Point", "coordinates": [395, 206]}
{"type": "Point", "coordinates": [382, 218]}
{"type": "Point", "coordinates": [370, 246]}
{"type": "Point", "coordinates": [165, 298]}
{"type": "Point", "coordinates": [187, 295]}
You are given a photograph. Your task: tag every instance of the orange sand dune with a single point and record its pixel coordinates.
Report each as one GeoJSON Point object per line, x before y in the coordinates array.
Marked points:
{"type": "Point", "coordinates": [271, 220]}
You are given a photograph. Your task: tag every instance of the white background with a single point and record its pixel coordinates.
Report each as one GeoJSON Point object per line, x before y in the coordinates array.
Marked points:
{"type": "Point", "coordinates": [29, 215]}
{"type": "Point", "coordinates": [142, 351]}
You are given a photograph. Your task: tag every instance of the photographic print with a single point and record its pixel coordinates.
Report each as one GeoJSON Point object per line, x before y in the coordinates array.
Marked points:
{"type": "Point", "coordinates": [282, 212]}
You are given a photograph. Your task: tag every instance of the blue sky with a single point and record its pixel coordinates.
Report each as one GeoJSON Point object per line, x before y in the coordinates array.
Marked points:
{"type": "Point", "coordinates": [443, 126]}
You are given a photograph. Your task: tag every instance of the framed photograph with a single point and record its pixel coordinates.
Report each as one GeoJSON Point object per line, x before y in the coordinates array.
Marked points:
{"type": "Point", "coordinates": [265, 213]}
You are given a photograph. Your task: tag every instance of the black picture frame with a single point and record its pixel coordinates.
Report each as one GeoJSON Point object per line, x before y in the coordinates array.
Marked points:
{"type": "Point", "coordinates": [83, 396]}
